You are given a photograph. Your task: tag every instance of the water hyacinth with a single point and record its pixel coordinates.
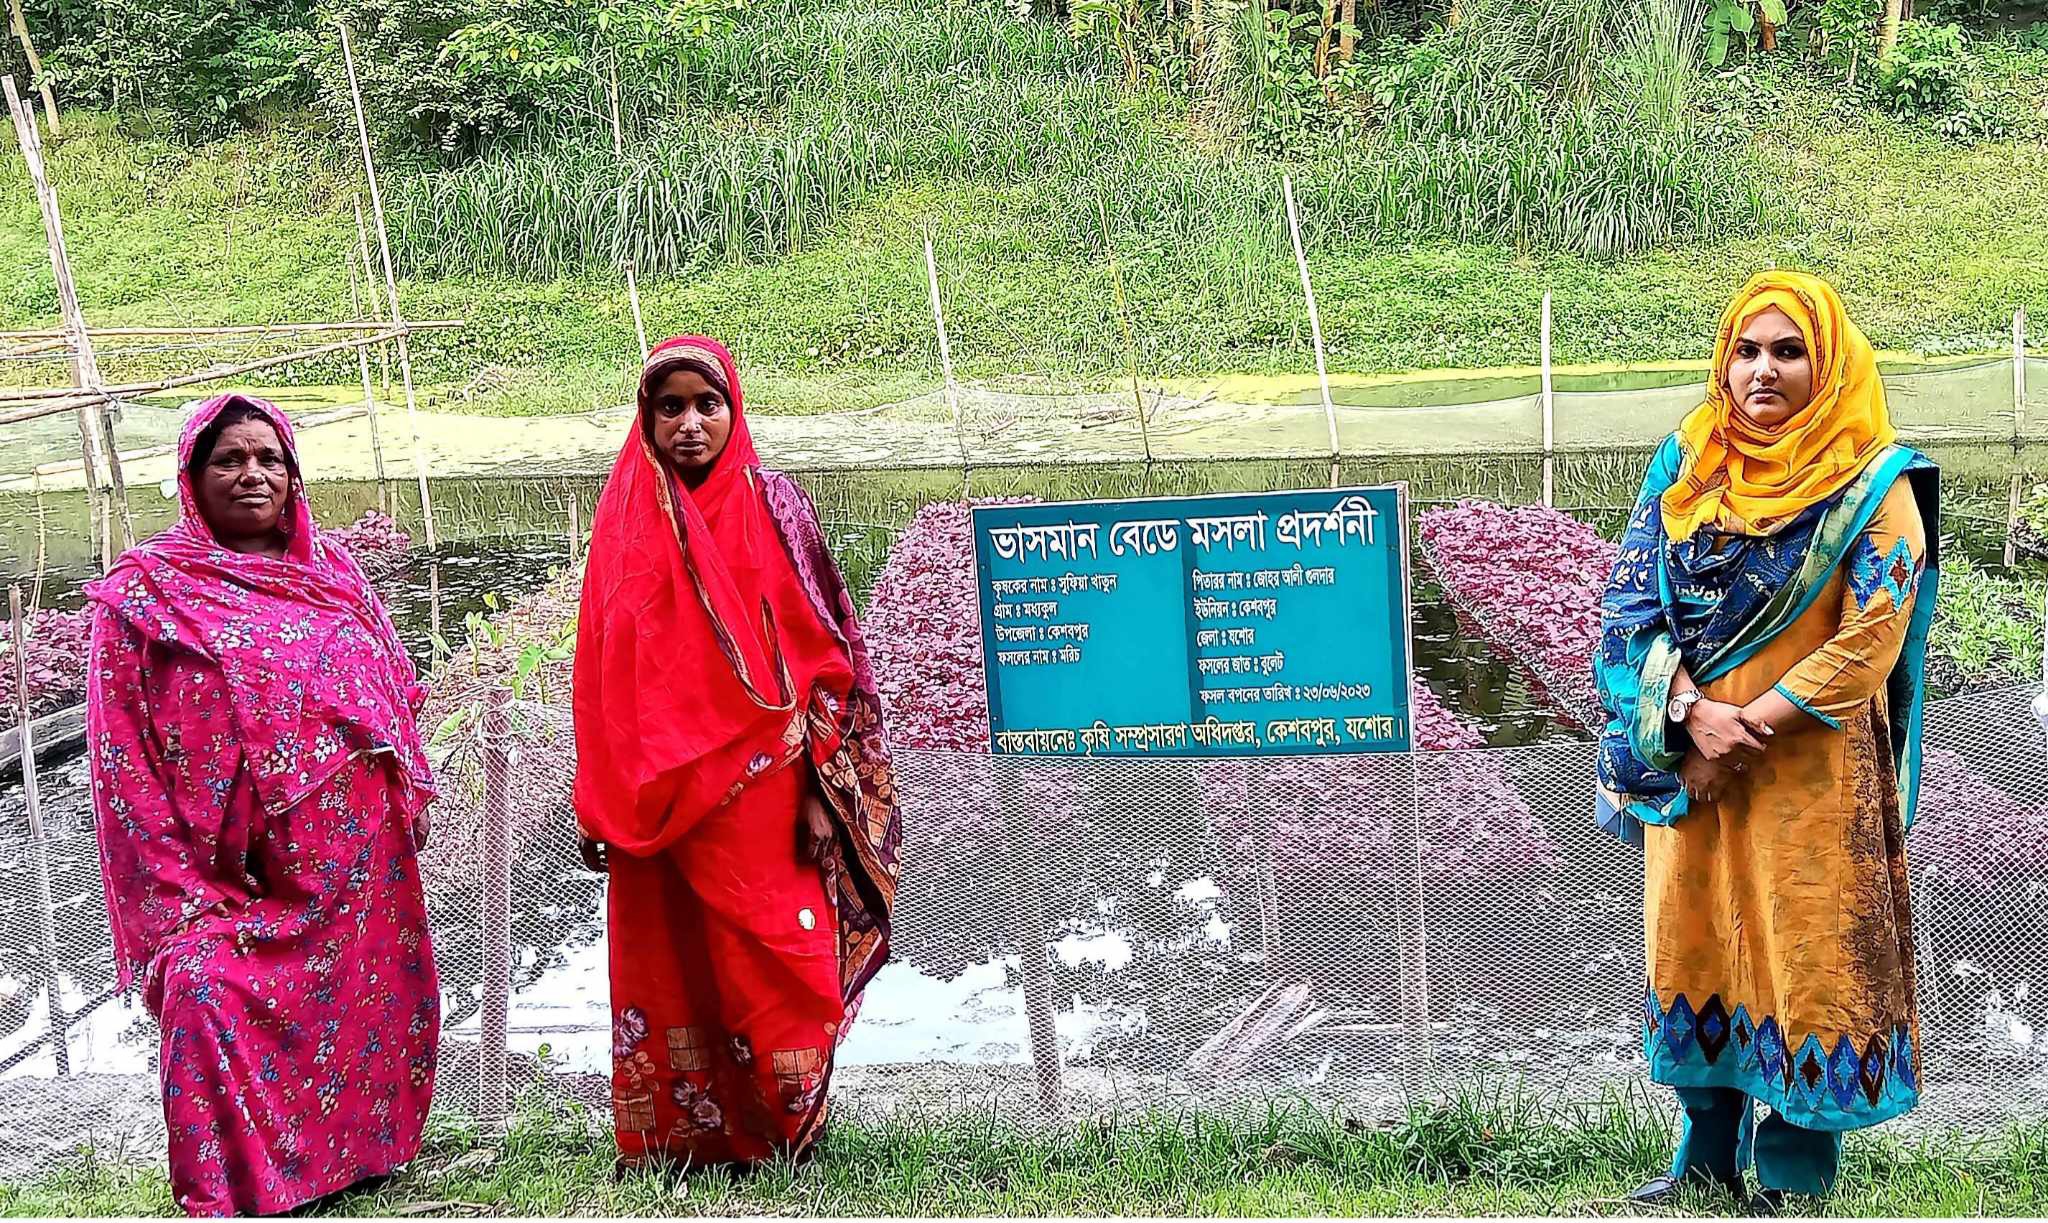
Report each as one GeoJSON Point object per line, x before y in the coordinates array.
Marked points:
{"type": "Point", "coordinates": [1335, 823]}
{"type": "Point", "coordinates": [1531, 577]}
{"type": "Point", "coordinates": [376, 542]}
{"type": "Point", "coordinates": [1973, 835]}
{"type": "Point", "coordinates": [58, 641]}
{"type": "Point", "coordinates": [924, 630]}
{"type": "Point", "coordinates": [57, 645]}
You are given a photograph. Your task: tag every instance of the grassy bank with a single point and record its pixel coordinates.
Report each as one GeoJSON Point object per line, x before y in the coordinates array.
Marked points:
{"type": "Point", "coordinates": [1477, 1157]}
{"type": "Point", "coordinates": [1933, 242]}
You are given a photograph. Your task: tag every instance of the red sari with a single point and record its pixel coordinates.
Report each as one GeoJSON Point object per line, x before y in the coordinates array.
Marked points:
{"type": "Point", "coordinates": [720, 677]}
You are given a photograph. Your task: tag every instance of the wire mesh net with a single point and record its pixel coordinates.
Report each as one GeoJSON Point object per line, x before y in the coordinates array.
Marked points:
{"type": "Point", "coordinates": [1125, 931]}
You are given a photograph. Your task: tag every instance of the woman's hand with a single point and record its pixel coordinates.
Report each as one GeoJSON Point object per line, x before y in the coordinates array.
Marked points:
{"type": "Point", "coordinates": [1721, 733]}
{"type": "Point", "coordinates": [1705, 780]}
{"type": "Point", "coordinates": [814, 833]}
{"type": "Point", "coordinates": [817, 840]}
{"type": "Point", "coordinates": [422, 828]}
{"type": "Point", "coordinates": [595, 856]}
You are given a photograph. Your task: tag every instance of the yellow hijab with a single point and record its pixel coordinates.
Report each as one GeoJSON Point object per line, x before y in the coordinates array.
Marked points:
{"type": "Point", "coordinates": [1737, 475]}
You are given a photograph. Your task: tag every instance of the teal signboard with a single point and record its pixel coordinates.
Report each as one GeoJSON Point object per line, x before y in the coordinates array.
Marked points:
{"type": "Point", "coordinates": [1258, 624]}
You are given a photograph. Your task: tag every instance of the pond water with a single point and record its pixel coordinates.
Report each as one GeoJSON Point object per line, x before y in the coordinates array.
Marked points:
{"type": "Point", "coordinates": [1146, 925]}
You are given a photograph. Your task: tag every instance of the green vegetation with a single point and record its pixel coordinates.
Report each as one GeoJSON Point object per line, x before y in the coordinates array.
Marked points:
{"type": "Point", "coordinates": [1987, 628]}
{"type": "Point", "coordinates": [1485, 1154]}
{"type": "Point", "coordinates": [783, 162]}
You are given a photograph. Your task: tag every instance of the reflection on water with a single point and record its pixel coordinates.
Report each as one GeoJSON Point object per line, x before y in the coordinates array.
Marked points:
{"type": "Point", "coordinates": [1153, 916]}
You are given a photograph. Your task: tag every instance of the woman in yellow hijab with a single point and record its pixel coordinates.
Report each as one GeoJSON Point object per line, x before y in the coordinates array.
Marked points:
{"type": "Point", "coordinates": [1761, 664]}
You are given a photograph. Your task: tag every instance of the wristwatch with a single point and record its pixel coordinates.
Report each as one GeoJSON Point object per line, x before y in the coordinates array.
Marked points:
{"type": "Point", "coordinates": [1680, 706]}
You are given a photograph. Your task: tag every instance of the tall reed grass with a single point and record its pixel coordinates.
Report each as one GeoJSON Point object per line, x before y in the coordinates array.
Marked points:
{"type": "Point", "coordinates": [1553, 125]}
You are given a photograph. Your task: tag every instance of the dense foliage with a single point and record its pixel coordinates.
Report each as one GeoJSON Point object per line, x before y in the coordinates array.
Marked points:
{"type": "Point", "coordinates": [1601, 127]}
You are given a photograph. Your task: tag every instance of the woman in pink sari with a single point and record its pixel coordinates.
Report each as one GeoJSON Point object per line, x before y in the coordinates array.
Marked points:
{"type": "Point", "coordinates": [261, 793]}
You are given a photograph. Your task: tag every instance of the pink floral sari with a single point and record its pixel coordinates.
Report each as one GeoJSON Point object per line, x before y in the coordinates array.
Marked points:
{"type": "Point", "coordinates": [258, 782]}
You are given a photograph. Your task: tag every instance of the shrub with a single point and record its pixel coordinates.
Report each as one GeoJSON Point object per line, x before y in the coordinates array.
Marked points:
{"type": "Point", "coordinates": [207, 64]}
{"type": "Point", "coordinates": [1986, 631]}
{"type": "Point", "coordinates": [1926, 71]}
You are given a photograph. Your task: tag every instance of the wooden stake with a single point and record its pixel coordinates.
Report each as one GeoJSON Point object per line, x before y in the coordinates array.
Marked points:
{"type": "Point", "coordinates": [376, 295]}
{"type": "Point", "coordinates": [1549, 416]}
{"type": "Point", "coordinates": [2019, 427]}
{"type": "Point", "coordinates": [497, 909]}
{"type": "Point", "coordinates": [1123, 309]}
{"type": "Point", "coordinates": [38, 843]}
{"type": "Point", "coordinates": [94, 424]}
{"type": "Point", "coordinates": [419, 461]}
{"type": "Point", "coordinates": [931, 271]}
{"type": "Point", "coordinates": [1033, 972]}
{"type": "Point", "coordinates": [355, 301]}
{"type": "Point", "coordinates": [1315, 326]}
{"type": "Point", "coordinates": [36, 74]}
{"type": "Point", "coordinates": [1414, 967]}
{"type": "Point", "coordinates": [434, 598]}
{"type": "Point", "coordinates": [626, 260]}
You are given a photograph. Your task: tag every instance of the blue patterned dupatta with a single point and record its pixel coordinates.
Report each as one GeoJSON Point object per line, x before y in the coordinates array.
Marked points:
{"type": "Point", "coordinates": [1716, 600]}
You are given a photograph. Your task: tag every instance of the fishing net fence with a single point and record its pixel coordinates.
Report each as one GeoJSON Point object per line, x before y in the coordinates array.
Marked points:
{"type": "Point", "coordinates": [1078, 935]}
{"type": "Point", "coordinates": [1083, 934]}
{"type": "Point", "coordinates": [1482, 436]}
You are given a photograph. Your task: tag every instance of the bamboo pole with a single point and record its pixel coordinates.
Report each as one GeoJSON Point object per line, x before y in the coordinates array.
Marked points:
{"type": "Point", "coordinates": [37, 77]}
{"type": "Point", "coordinates": [376, 295]}
{"type": "Point", "coordinates": [497, 909]}
{"type": "Point", "coordinates": [38, 411]}
{"type": "Point", "coordinates": [931, 271]}
{"type": "Point", "coordinates": [1315, 326]}
{"type": "Point", "coordinates": [38, 841]}
{"type": "Point", "coordinates": [355, 301]}
{"type": "Point", "coordinates": [246, 329]}
{"type": "Point", "coordinates": [95, 426]}
{"type": "Point", "coordinates": [1549, 416]}
{"type": "Point", "coordinates": [2019, 427]}
{"type": "Point", "coordinates": [419, 461]}
{"type": "Point", "coordinates": [1033, 972]}
{"type": "Point", "coordinates": [626, 261]}
{"type": "Point", "coordinates": [71, 396]}
{"type": "Point", "coordinates": [300, 425]}
{"type": "Point", "coordinates": [1414, 966]}
{"type": "Point", "coordinates": [1123, 309]}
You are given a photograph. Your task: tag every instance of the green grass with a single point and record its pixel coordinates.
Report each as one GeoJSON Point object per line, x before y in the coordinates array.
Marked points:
{"type": "Point", "coordinates": [1933, 243]}
{"type": "Point", "coordinates": [1485, 1154]}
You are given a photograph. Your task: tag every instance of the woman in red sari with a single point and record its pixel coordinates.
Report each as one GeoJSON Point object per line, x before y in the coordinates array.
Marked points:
{"type": "Point", "coordinates": [261, 794]}
{"type": "Point", "coordinates": [731, 776]}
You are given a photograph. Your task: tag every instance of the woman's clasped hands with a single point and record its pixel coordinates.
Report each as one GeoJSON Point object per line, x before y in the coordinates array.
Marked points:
{"type": "Point", "coordinates": [1727, 741]}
